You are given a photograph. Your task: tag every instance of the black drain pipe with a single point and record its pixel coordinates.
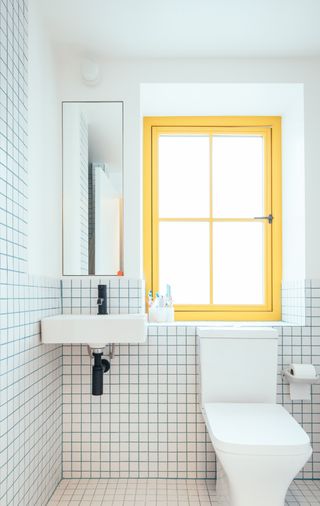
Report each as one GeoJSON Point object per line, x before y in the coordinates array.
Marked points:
{"type": "Point", "coordinates": [100, 366]}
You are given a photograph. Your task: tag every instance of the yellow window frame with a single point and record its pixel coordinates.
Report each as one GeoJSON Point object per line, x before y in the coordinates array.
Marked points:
{"type": "Point", "coordinates": [270, 128]}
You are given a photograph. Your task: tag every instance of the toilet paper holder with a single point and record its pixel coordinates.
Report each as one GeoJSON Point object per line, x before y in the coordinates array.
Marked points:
{"type": "Point", "coordinates": [300, 384]}
{"type": "Point", "coordinates": [286, 373]}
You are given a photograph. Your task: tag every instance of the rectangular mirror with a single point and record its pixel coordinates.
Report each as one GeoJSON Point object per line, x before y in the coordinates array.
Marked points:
{"type": "Point", "coordinates": [92, 188]}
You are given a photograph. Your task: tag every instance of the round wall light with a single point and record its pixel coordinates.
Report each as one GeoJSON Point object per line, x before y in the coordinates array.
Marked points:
{"type": "Point", "coordinates": [90, 71]}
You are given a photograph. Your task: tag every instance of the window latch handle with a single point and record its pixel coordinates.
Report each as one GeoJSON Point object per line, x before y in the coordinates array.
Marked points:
{"type": "Point", "coordinates": [269, 218]}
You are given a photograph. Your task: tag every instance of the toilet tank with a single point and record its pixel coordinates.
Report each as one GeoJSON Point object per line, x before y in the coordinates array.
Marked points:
{"type": "Point", "coordinates": [237, 364]}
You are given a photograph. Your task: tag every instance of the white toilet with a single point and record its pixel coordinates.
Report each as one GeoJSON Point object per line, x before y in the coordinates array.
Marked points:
{"type": "Point", "coordinates": [260, 448]}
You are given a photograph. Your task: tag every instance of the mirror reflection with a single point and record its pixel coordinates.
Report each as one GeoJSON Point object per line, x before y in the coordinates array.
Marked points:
{"type": "Point", "coordinates": [92, 188]}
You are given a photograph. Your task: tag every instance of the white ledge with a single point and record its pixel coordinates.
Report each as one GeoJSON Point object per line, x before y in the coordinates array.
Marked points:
{"type": "Point", "coordinates": [223, 323]}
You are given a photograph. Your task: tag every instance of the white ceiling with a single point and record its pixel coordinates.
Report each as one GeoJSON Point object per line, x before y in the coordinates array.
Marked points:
{"type": "Point", "coordinates": [186, 28]}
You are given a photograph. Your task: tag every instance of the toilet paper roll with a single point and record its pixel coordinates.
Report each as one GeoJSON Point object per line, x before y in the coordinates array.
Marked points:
{"type": "Point", "coordinates": [303, 371]}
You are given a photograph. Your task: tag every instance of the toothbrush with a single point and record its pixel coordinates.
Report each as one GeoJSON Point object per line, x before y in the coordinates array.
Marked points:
{"type": "Point", "coordinates": [168, 296]}
{"type": "Point", "coordinates": [150, 298]}
{"type": "Point", "coordinates": [157, 300]}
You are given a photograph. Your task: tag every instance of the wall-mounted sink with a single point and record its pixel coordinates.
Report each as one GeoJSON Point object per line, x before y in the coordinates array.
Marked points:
{"type": "Point", "coordinates": [95, 330]}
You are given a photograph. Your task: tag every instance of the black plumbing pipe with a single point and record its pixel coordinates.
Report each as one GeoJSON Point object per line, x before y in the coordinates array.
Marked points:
{"type": "Point", "coordinates": [100, 366]}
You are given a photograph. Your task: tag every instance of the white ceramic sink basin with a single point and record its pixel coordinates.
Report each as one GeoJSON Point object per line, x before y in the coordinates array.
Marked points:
{"type": "Point", "coordinates": [94, 330]}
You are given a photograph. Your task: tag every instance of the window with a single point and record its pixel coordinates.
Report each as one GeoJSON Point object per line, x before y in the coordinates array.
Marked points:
{"type": "Point", "coordinates": [212, 215]}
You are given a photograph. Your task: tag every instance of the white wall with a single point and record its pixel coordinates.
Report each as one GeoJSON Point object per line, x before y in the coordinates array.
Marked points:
{"type": "Point", "coordinates": [44, 157]}
{"type": "Point", "coordinates": [284, 100]}
{"type": "Point", "coordinates": [72, 190]}
{"type": "Point", "coordinates": [121, 81]}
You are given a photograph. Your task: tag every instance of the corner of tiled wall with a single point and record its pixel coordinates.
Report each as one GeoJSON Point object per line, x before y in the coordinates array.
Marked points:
{"type": "Point", "coordinates": [294, 301]}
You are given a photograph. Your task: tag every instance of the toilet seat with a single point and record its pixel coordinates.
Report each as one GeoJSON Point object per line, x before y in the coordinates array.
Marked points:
{"type": "Point", "coordinates": [254, 429]}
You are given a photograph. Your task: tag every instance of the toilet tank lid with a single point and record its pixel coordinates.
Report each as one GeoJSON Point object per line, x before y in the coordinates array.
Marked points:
{"type": "Point", "coordinates": [237, 332]}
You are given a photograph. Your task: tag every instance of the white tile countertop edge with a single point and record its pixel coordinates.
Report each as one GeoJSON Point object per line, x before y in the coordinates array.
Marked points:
{"type": "Point", "coordinates": [223, 324]}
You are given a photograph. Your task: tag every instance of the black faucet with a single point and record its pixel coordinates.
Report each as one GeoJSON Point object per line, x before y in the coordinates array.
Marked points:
{"type": "Point", "coordinates": [102, 299]}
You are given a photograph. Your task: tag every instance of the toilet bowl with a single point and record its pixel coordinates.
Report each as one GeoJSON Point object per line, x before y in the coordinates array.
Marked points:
{"type": "Point", "coordinates": [260, 447]}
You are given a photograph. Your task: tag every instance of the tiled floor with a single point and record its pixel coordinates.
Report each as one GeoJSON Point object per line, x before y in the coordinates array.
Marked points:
{"type": "Point", "coordinates": [153, 492]}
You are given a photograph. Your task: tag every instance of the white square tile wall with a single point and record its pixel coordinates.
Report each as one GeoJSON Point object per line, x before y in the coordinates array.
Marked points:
{"type": "Point", "coordinates": [294, 297]}
{"type": "Point", "coordinates": [30, 373]}
{"type": "Point", "coordinates": [30, 392]}
{"type": "Point", "coordinates": [301, 344]}
{"type": "Point", "coordinates": [148, 422]}
{"type": "Point", "coordinates": [79, 294]}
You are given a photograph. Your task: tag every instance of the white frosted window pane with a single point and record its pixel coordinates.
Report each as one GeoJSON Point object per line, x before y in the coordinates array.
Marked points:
{"type": "Point", "coordinates": [238, 263]}
{"type": "Point", "coordinates": [237, 176]}
{"type": "Point", "coordinates": [184, 261]}
{"type": "Point", "coordinates": [184, 175]}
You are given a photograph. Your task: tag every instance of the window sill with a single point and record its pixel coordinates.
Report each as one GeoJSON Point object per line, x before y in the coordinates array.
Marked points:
{"type": "Point", "coordinates": [222, 323]}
